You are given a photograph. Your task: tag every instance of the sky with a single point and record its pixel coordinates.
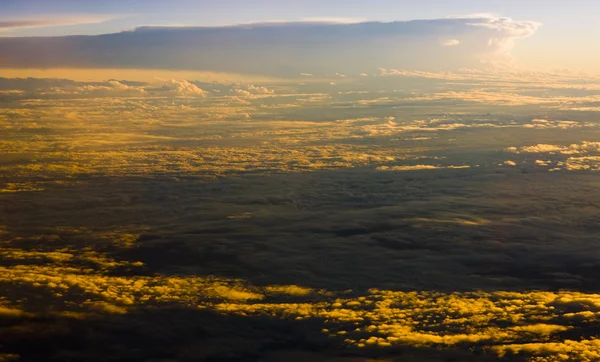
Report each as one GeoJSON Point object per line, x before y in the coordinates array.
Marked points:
{"type": "Point", "coordinates": [561, 42]}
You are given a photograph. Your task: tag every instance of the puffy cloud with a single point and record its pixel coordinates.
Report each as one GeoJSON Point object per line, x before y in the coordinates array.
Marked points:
{"type": "Point", "coordinates": [583, 156]}
{"type": "Point", "coordinates": [543, 148]}
{"type": "Point", "coordinates": [582, 148]}
{"type": "Point", "coordinates": [542, 163]}
{"type": "Point", "coordinates": [252, 91]}
{"type": "Point", "coordinates": [178, 87]}
{"type": "Point", "coordinates": [111, 88]}
{"type": "Point", "coordinates": [259, 90]}
{"type": "Point", "coordinates": [502, 38]}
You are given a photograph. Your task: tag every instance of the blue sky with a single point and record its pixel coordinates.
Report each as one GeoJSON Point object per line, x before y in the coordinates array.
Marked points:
{"type": "Point", "coordinates": [569, 27]}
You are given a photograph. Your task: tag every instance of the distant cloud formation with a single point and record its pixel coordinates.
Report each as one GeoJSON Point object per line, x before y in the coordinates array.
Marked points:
{"type": "Point", "coordinates": [40, 22]}
{"type": "Point", "coordinates": [282, 48]}
{"type": "Point", "coordinates": [179, 87]}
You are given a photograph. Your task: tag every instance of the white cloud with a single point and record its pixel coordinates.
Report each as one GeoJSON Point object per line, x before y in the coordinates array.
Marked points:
{"type": "Point", "coordinates": [259, 90]}
{"type": "Point", "coordinates": [180, 87]}
{"type": "Point", "coordinates": [450, 42]}
{"type": "Point", "coordinates": [501, 40]}
{"type": "Point", "coordinates": [252, 91]}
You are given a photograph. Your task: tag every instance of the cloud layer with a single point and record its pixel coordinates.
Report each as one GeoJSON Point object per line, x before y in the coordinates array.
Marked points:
{"type": "Point", "coordinates": [400, 213]}
{"type": "Point", "coordinates": [283, 48]}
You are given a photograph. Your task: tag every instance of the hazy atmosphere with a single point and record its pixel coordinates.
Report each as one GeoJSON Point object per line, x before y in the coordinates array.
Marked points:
{"type": "Point", "coordinates": [299, 181]}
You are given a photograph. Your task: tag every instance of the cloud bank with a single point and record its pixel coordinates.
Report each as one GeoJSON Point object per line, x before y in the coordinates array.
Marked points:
{"type": "Point", "coordinates": [282, 49]}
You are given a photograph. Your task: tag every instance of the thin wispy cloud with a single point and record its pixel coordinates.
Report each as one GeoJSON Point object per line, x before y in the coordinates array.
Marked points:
{"type": "Point", "coordinates": [7, 24]}
{"type": "Point", "coordinates": [335, 20]}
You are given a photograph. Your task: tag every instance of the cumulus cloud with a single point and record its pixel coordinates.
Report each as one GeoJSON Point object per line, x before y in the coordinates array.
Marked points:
{"type": "Point", "coordinates": [110, 88]}
{"type": "Point", "coordinates": [259, 90]}
{"type": "Point", "coordinates": [582, 148]}
{"type": "Point", "coordinates": [583, 156]}
{"type": "Point", "coordinates": [178, 87]}
{"type": "Point", "coordinates": [502, 39]}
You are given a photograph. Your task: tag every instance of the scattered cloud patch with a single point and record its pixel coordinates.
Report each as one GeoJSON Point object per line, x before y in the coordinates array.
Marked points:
{"type": "Point", "coordinates": [450, 42]}
{"type": "Point", "coordinates": [178, 87]}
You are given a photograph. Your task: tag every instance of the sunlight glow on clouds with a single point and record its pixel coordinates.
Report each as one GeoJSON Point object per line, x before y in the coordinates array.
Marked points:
{"type": "Point", "coordinates": [502, 321]}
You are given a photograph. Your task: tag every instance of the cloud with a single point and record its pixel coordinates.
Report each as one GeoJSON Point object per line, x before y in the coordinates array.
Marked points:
{"type": "Point", "coordinates": [251, 92]}
{"type": "Point", "coordinates": [418, 167]}
{"type": "Point", "coordinates": [178, 87]}
{"type": "Point", "coordinates": [585, 147]}
{"type": "Point", "coordinates": [335, 20]}
{"type": "Point", "coordinates": [259, 90]}
{"type": "Point", "coordinates": [282, 49]}
{"type": "Point", "coordinates": [583, 156]}
{"type": "Point", "coordinates": [57, 20]}
{"type": "Point", "coordinates": [56, 88]}
{"type": "Point", "coordinates": [314, 184]}
{"type": "Point", "coordinates": [450, 42]}
{"type": "Point", "coordinates": [111, 88]}
{"type": "Point", "coordinates": [502, 40]}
